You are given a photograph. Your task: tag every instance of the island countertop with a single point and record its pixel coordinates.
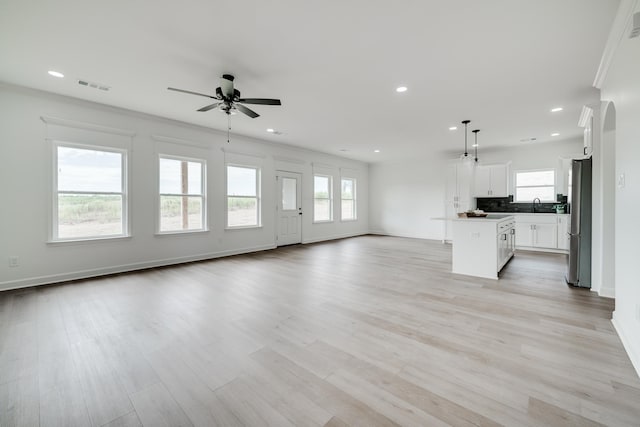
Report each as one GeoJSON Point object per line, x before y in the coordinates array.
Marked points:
{"type": "Point", "coordinates": [488, 218]}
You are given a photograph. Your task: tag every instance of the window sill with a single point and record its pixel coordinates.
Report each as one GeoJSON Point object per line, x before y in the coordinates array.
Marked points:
{"type": "Point", "coordinates": [349, 220]}
{"type": "Point", "coordinates": [180, 233]}
{"type": "Point", "coordinates": [323, 222]}
{"type": "Point", "coordinates": [86, 241]}
{"type": "Point", "coordinates": [242, 227]}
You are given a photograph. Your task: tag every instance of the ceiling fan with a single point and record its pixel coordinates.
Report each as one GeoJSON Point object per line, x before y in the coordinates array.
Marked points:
{"type": "Point", "coordinates": [228, 99]}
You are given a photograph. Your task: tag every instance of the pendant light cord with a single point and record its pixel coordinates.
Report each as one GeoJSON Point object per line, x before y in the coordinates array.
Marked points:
{"type": "Point", "coordinates": [465, 123]}
{"type": "Point", "coordinates": [475, 145]}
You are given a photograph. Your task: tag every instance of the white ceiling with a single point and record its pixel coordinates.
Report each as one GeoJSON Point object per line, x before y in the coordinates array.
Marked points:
{"type": "Point", "coordinates": [334, 64]}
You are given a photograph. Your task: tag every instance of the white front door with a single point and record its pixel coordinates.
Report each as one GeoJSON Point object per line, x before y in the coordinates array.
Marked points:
{"type": "Point", "coordinates": [289, 208]}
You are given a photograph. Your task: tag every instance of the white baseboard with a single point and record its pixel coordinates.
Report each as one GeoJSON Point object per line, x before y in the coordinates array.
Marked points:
{"type": "Point", "coordinates": [546, 250]}
{"type": "Point", "coordinates": [607, 292]}
{"type": "Point", "coordinates": [386, 233]}
{"type": "Point", "coordinates": [95, 272]}
{"type": "Point", "coordinates": [632, 347]}
{"type": "Point", "coordinates": [333, 237]}
{"type": "Point", "coordinates": [378, 232]}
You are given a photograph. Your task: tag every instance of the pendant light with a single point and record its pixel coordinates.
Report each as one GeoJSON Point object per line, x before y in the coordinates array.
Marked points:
{"type": "Point", "coordinates": [475, 145]}
{"type": "Point", "coordinates": [465, 156]}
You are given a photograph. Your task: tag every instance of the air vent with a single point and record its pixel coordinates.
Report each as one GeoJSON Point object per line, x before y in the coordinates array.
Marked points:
{"type": "Point", "coordinates": [94, 85]}
{"type": "Point", "coordinates": [528, 139]}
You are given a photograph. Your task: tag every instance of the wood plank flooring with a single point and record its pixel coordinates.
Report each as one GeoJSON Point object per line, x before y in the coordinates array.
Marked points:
{"type": "Point", "coordinates": [368, 331]}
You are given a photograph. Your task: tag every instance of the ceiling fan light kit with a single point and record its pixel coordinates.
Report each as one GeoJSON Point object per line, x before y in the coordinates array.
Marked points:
{"type": "Point", "coordinates": [228, 99]}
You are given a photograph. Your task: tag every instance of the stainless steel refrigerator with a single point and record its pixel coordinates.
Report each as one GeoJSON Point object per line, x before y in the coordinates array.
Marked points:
{"type": "Point", "coordinates": [579, 260]}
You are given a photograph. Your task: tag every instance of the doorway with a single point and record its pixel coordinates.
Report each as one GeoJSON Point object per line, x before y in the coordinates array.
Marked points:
{"type": "Point", "coordinates": [289, 208]}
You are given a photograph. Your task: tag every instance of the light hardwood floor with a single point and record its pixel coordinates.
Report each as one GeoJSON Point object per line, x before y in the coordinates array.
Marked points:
{"type": "Point", "coordinates": [369, 331]}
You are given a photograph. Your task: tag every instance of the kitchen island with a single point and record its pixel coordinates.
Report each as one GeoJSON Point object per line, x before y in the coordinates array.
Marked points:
{"type": "Point", "coordinates": [483, 246]}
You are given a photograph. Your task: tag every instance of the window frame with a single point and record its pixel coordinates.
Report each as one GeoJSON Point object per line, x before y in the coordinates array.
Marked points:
{"type": "Point", "coordinates": [516, 186]}
{"type": "Point", "coordinates": [203, 186]}
{"type": "Point", "coordinates": [354, 210]}
{"type": "Point", "coordinates": [258, 196]}
{"type": "Point", "coordinates": [329, 197]}
{"type": "Point", "coordinates": [124, 193]}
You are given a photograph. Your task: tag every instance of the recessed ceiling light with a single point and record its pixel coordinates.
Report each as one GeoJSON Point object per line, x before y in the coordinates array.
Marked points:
{"type": "Point", "coordinates": [453, 128]}
{"type": "Point", "coordinates": [556, 109]}
{"type": "Point", "coordinates": [271, 130]}
{"type": "Point", "coordinates": [401, 89]}
{"type": "Point", "coordinates": [376, 151]}
{"type": "Point", "coordinates": [555, 134]}
{"type": "Point", "coordinates": [56, 74]}
{"type": "Point", "coordinates": [474, 145]}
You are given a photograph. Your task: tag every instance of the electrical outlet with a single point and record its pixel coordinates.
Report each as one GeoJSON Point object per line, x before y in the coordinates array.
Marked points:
{"type": "Point", "coordinates": [14, 261]}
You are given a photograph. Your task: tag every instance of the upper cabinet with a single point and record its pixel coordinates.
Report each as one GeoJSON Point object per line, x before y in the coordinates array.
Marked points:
{"type": "Point", "coordinates": [586, 122]}
{"type": "Point", "coordinates": [459, 179]}
{"type": "Point", "coordinates": [491, 181]}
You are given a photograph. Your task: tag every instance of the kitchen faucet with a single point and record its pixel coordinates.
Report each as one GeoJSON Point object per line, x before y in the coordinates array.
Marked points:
{"type": "Point", "coordinates": [533, 205]}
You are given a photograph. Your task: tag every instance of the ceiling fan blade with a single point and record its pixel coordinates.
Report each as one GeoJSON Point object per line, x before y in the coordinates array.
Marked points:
{"type": "Point", "coordinates": [261, 101]}
{"type": "Point", "coordinates": [226, 82]}
{"type": "Point", "coordinates": [191, 93]}
{"type": "Point", "coordinates": [209, 107]}
{"type": "Point", "coordinates": [247, 111]}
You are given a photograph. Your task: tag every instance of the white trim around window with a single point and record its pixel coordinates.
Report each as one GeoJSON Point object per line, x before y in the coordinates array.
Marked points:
{"type": "Point", "coordinates": [243, 204]}
{"type": "Point", "coordinates": [348, 200]}
{"type": "Point", "coordinates": [182, 201]}
{"type": "Point", "coordinates": [89, 192]}
{"type": "Point", "coordinates": [322, 198]}
{"type": "Point", "coordinates": [536, 183]}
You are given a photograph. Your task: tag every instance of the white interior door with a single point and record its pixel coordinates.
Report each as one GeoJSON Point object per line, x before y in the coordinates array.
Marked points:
{"type": "Point", "coordinates": [289, 208]}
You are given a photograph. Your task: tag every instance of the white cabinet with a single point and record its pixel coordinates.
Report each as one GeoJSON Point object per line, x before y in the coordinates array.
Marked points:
{"type": "Point", "coordinates": [524, 234]}
{"type": "Point", "coordinates": [545, 236]}
{"type": "Point", "coordinates": [458, 192]}
{"type": "Point", "coordinates": [459, 183]}
{"type": "Point", "coordinates": [586, 121]}
{"type": "Point", "coordinates": [491, 181]}
{"type": "Point", "coordinates": [563, 231]}
{"type": "Point", "coordinates": [481, 247]}
{"type": "Point", "coordinates": [537, 231]}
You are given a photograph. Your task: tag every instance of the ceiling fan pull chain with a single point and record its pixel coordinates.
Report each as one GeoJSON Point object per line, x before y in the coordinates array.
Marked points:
{"type": "Point", "coordinates": [228, 129]}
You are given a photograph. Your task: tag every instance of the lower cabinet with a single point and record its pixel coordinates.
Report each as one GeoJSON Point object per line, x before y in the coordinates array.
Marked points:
{"type": "Point", "coordinates": [537, 231]}
{"type": "Point", "coordinates": [545, 236]}
{"type": "Point", "coordinates": [481, 246]}
{"type": "Point", "coordinates": [563, 231]}
{"type": "Point", "coordinates": [524, 234]}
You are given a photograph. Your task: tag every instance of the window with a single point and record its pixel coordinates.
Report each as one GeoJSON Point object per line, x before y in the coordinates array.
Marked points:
{"type": "Point", "coordinates": [243, 196]}
{"type": "Point", "coordinates": [348, 199]}
{"type": "Point", "coordinates": [182, 194]}
{"type": "Point", "coordinates": [89, 192]}
{"type": "Point", "coordinates": [289, 194]}
{"type": "Point", "coordinates": [535, 184]}
{"type": "Point", "coordinates": [322, 198]}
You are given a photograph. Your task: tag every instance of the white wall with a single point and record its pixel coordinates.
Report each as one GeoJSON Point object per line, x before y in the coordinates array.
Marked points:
{"type": "Point", "coordinates": [622, 87]}
{"type": "Point", "coordinates": [26, 186]}
{"type": "Point", "coordinates": [406, 195]}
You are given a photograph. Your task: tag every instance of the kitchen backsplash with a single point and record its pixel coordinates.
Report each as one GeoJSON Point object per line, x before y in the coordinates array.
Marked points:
{"type": "Point", "coordinates": [505, 204]}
